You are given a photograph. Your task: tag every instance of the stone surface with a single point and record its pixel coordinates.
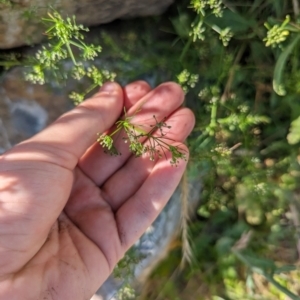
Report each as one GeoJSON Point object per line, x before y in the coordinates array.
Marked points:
{"type": "Point", "coordinates": [25, 109]}
{"type": "Point", "coordinates": [20, 21]}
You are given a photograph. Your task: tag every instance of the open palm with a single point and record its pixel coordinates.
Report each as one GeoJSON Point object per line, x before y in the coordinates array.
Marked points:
{"type": "Point", "coordinates": [68, 211]}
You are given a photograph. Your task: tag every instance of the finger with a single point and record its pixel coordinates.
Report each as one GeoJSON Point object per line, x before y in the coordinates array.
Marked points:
{"type": "Point", "coordinates": [108, 230]}
{"type": "Point", "coordinates": [135, 91]}
{"type": "Point", "coordinates": [161, 102]}
{"type": "Point", "coordinates": [138, 213]}
{"type": "Point", "coordinates": [65, 140]}
{"type": "Point", "coordinates": [127, 180]}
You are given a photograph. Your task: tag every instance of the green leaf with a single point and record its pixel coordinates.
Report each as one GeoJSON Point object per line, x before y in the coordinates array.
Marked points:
{"type": "Point", "coordinates": [294, 135]}
{"type": "Point", "coordinates": [236, 22]}
{"type": "Point", "coordinates": [279, 67]}
{"type": "Point", "coordinates": [259, 265]}
{"type": "Point", "coordinates": [285, 269]}
{"type": "Point", "coordinates": [182, 25]}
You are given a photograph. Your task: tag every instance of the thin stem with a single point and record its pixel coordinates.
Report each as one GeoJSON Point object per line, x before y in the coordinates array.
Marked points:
{"type": "Point", "coordinates": [165, 145]}
{"type": "Point", "coordinates": [232, 73]}
{"type": "Point", "coordinates": [269, 277]}
{"type": "Point", "coordinates": [281, 288]}
{"type": "Point", "coordinates": [92, 86]}
{"type": "Point", "coordinates": [71, 53]}
{"type": "Point", "coordinates": [116, 131]}
{"type": "Point", "coordinates": [185, 49]}
{"type": "Point", "coordinates": [77, 45]}
{"type": "Point", "coordinates": [141, 131]}
{"type": "Point", "coordinates": [163, 150]}
{"type": "Point", "coordinates": [213, 115]}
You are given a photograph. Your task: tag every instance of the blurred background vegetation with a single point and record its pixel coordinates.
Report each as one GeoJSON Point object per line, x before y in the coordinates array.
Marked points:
{"type": "Point", "coordinates": [238, 62]}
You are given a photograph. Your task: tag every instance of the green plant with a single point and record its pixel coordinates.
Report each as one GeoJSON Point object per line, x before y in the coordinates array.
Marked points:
{"type": "Point", "coordinates": [268, 270]}
{"type": "Point", "coordinates": [157, 143]}
{"type": "Point", "coordinates": [63, 35]}
{"type": "Point", "coordinates": [238, 64]}
{"type": "Point", "coordinates": [245, 102]}
{"type": "Point", "coordinates": [65, 44]}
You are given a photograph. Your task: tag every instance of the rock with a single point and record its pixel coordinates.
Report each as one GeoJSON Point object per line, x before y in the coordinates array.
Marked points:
{"type": "Point", "coordinates": [20, 20]}
{"type": "Point", "coordinates": [25, 109]}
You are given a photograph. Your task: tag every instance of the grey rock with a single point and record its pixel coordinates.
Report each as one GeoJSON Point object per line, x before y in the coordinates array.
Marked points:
{"type": "Point", "coordinates": [28, 117]}
{"type": "Point", "coordinates": [20, 22]}
{"type": "Point", "coordinates": [26, 109]}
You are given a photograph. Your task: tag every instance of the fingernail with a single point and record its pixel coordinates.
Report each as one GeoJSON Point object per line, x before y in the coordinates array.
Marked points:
{"type": "Point", "coordinates": [109, 87]}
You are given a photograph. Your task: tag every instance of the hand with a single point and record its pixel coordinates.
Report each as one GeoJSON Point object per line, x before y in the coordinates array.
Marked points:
{"type": "Point", "coordinates": [68, 211]}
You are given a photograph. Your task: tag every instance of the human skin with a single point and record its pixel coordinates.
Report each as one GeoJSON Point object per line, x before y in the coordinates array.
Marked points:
{"type": "Point", "coordinates": [68, 211]}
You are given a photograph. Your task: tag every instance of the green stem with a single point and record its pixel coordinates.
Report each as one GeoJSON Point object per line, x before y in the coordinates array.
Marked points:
{"type": "Point", "coordinates": [77, 45]}
{"type": "Point", "coordinates": [92, 86]}
{"type": "Point", "coordinates": [200, 140]}
{"type": "Point", "coordinates": [270, 278]}
{"type": "Point", "coordinates": [117, 130]}
{"type": "Point", "coordinates": [135, 127]}
{"type": "Point", "coordinates": [185, 49]}
{"type": "Point", "coordinates": [281, 288]}
{"type": "Point", "coordinates": [164, 144]}
{"type": "Point", "coordinates": [214, 109]}
{"type": "Point", "coordinates": [71, 53]}
{"type": "Point", "coordinates": [213, 118]}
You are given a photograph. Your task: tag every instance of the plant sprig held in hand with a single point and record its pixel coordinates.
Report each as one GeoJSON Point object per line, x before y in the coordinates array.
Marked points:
{"type": "Point", "coordinates": [157, 145]}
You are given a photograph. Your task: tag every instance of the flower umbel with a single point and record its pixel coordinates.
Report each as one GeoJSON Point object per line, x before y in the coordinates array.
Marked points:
{"type": "Point", "coordinates": [106, 142]}
{"type": "Point", "coordinates": [65, 36]}
{"type": "Point", "coordinates": [153, 143]}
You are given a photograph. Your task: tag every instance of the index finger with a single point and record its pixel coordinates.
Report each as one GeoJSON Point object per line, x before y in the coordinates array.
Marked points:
{"type": "Point", "coordinates": [65, 140]}
{"type": "Point", "coordinates": [161, 102]}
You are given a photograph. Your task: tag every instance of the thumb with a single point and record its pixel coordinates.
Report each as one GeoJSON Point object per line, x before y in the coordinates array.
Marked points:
{"type": "Point", "coordinates": [66, 140]}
